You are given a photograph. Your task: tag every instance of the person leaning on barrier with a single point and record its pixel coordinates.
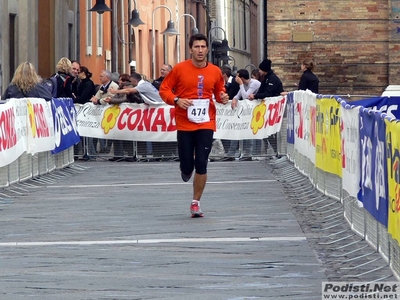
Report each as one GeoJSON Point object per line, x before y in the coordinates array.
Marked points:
{"type": "Point", "coordinates": [247, 86]}
{"type": "Point", "coordinates": [165, 69]}
{"type": "Point", "coordinates": [308, 80]}
{"type": "Point", "coordinates": [271, 86]}
{"type": "Point", "coordinates": [26, 83]}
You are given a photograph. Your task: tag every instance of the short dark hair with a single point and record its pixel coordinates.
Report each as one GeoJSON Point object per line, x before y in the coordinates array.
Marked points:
{"type": "Point", "coordinates": [243, 73]}
{"type": "Point", "coordinates": [197, 37]}
{"type": "Point", "coordinates": [226, 70]}
{"type": "Point", "coordinates": [136, 76]}
{"type": "Point", "coordinates": [86, 71]}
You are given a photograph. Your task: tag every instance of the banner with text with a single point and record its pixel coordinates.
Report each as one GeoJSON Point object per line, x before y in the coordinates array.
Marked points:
{"type": "Point", "coordinates": [140, 122]}
{"type": "Point", "coordinates": [328, 142]}
{"type": "Point", "coordinates": [393, 175]}
{"type": "Point", "coordinates": [374, 188]}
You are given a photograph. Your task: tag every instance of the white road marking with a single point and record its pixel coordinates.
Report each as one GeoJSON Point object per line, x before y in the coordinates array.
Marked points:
{"type": "Point", "coordinates": [154, 184]}
{"type": "Point", "coordinates": [156, 241]}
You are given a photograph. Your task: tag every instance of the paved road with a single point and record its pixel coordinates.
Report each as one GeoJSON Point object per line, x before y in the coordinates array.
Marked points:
{"type": "Point", "coordinates": [119, 230]}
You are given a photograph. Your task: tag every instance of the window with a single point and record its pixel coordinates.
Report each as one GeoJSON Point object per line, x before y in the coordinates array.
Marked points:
{"type": "Point", "coordinates": [99, 35]}
{"type": "Point", "coordinates": [88, 27]}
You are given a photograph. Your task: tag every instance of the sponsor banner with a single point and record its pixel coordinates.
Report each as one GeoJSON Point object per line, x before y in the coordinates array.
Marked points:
{"type": "Point", "coordinates": [40, 127]}
{"type": "Point", "coordinates": [290, 117]}
{"type": "Point", "coordinates": [304, 123]}
{"type": "Point", "coordinates": [65, 129]}
{"type": "Point", "coordinates": [360, 290]}
{"type": "Point", "coordinates": [350, 136]}
{"type": "Point", "coordinates": [388, 105]}
{"type": "Point", "coordinates": [373, 165]}
{"type": "Point", "coordinates": [328, 143]}
{"type": "Point", "coordinates": [13, 140]}
{"type": "Point", "coordinates": [393, 174]}
{"type": "Point", "coordinates": [139, 122]}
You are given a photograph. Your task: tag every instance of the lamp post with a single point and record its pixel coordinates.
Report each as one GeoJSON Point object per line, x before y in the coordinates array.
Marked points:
{"type": "Point", "coordinates": [194, 31]}
{"type": "Point", "coordinates": [135, 20]}
{"type": "Point", "coordinates": [169, 32]}
{"type": "Point", "coordinates": [224, 47]}
{"type": "Point", "coordinates": [234, 68]}
{"type": "Point", "coordinates": [251, 65]}
{"type": "Point", "coordinates": [100, 7]}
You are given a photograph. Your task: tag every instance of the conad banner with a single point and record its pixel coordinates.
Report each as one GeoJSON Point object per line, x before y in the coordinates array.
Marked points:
{"type": "Point", "coordinates": [304, 123]}
{"type": "Point", "coordinates": [393, 177]}
{"type": "Point", "coordinates": [374, 188]}
{"type": "Point", "coordinates": [140, 122]}
{"type": "Point", "coordinates": [350, 136]}
{"type": "Point", "coordinates": [13, 140]}
{"type": "Point", "coordinates": [328, 142]}
{"type": "Point", "coordinates": [40, 126]}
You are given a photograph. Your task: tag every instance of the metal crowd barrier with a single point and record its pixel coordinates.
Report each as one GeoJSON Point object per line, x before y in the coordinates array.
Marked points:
{"type": "Point", "coordinates": [29, 166]}
{"type": "Point", "coordinates": [359, 219]}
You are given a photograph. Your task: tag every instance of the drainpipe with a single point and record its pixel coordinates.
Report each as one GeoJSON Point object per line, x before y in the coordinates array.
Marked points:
{"type": "Point", "coordinates": [264, 29]}
{"type": "Point", "coordinates": [1, 55]}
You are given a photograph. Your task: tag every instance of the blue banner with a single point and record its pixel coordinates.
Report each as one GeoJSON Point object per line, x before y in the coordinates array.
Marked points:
{"type": "Point", "coordinates": [388, 105]}
{"type": "Point", "coordinates": [374, 188]}
{"type": "Point", "coordinates": [65, 131]}
{"type": "Point", "coordinates": [290, 117]}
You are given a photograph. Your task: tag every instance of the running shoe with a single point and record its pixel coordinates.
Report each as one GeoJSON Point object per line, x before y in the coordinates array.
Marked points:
{"type": "Point", "coordinates": [195, 210]}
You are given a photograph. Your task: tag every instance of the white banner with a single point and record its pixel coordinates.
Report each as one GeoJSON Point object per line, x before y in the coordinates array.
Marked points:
{"type": "Point", "coordinates": [350, 137]}
{"type": "Point", "coordinates": [140, 122]}
{"type": "Point", "coordinates": [13, 139]}
{"type": "Point", "coordinates": [304, 123]}
{"type": "Point", "coordinates": [40, 126]}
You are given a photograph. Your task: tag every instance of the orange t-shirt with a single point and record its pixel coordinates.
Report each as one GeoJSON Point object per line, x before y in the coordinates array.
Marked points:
{"type": "Point", "coordinates": [187, 81]}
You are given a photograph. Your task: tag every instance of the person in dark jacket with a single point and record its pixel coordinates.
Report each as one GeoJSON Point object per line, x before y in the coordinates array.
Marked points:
{"type": "Point", "coordinates": [86, 89]}
{"type": "Point", "coordinates": [271, 86]}
{"type": "Point", "coordinates": [26, 83]}
{"type": "Point", "coordinates": [64, 78]}
{"type": "Point", "coordinates": [308, 80]}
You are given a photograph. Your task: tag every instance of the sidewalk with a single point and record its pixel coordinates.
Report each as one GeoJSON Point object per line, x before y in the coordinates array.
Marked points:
{"type": "Point", "coordinates": [120, 230]}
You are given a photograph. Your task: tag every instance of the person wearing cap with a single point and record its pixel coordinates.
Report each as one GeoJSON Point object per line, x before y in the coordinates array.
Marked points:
{"type": "Point", "coordinates": [271, 86]}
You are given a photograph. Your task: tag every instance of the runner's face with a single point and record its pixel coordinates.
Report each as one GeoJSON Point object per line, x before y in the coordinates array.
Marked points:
{"type": "Point", "coordinates": [199, 51]}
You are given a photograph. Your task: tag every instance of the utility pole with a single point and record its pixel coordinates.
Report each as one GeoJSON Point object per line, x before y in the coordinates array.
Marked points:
{"type": "Point", "coordinates": [1, 55]}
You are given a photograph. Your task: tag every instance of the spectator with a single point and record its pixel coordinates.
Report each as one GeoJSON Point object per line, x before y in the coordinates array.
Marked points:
{"type": "Point", "coordinates": [308, 80]}
{"type": "Point", "coordinates": [247, 86]}
{"type": "Point", "coordinates": [64, 78]}
{"type": "Point", "coordinates": [26, 83]}
{"type": "Point", "coordinates": [165, 69]}
{"type": "Point", "coordinates": [120, 146]}
{"type": "Point", "coordinates": [75, 68]}
{"type": "Point", "coordinates": [101, 95]}
{"type": "Point", "coordinates": [271, 86]}
{"type": "Point", "coordinates": [84, 93]}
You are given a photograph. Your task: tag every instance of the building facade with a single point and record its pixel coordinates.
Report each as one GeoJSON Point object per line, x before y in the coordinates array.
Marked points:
{"type": "Point", "coordinates": [354, 43]}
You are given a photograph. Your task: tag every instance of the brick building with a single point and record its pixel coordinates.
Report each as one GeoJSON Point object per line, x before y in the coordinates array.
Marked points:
{"type": "Point", "coordinates": [354, 43]}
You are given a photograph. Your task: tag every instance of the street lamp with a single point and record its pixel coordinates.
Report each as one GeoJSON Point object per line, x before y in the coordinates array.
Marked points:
{"type": "Point", "coordinates": [100, 7]}
{"type": "Point", "coordinates": [194, 31]}
{"type": "Point", "coordinates": [251, 65]}
{"type": "Point", "coordinates": [168, 32]}
{"type": "Point", "coordinates": [234, 68]}
{"type": "Point", "coordinates": [222, 46]}
{"type": "Point", "coordinates": [135, 20]}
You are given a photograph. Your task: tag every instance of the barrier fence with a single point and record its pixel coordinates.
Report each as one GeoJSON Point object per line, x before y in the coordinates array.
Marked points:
{"type": "Point", "coordinates": [351, 153]}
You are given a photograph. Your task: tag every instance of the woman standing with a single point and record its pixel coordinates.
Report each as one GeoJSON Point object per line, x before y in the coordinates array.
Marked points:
{"type": "Point", "coordinates": [86, 89]}
{"type": "Point", "coordinates": [308, 81]}
{"type": "Point", "coordinates": [85, 92]}
{"type": "Point", "coordinates": [26, 83]}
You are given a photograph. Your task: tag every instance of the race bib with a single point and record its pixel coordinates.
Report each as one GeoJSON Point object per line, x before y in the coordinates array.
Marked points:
{"type": "Point", "coordinates": [198, 112]}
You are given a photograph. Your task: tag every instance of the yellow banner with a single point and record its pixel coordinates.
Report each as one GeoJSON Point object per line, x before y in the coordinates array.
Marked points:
{"type": "Point", "coordinates": [393, 174]}
{"type": "Point", "coordinates": [328, 142]}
